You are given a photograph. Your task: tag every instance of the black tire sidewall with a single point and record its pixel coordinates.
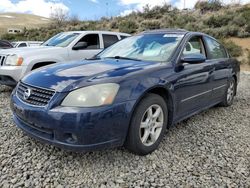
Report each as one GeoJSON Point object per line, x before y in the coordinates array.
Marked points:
{"type": "Point", "coordinates": [225, 103]}
{"type": "Point", "coordinates": [231, 102]}
{"type": "Point", "coordinates": [134, 133]}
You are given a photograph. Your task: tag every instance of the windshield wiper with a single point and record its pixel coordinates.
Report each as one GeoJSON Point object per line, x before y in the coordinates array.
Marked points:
{"type": "Point", "coordinates": [93, 58]}
{"type": "Point", "coordinates": [126, 58]}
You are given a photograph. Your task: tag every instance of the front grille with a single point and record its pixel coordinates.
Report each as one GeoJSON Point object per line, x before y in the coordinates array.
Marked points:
{"type": "Point", "coordinates": [34, 95]}
{"type": "Point", "coordinates": [2, 60]}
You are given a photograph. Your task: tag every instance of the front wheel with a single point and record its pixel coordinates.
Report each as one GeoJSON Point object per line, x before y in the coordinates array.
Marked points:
{"type": "Point", "coordinates": [148, 125]}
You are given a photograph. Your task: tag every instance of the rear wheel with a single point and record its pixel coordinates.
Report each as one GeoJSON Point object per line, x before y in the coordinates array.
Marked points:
{"type": "Point", "coordinates": [230, 93]}
{"type": "Point", "coordinates": [148, 125]}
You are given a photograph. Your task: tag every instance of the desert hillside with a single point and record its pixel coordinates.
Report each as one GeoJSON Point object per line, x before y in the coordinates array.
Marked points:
{"type": "Point", "coordinates": [16, 20]}
{"type": "Point", "coordinates": [244, 43]}
{"type": "Point", "coordinates": [228, 23]}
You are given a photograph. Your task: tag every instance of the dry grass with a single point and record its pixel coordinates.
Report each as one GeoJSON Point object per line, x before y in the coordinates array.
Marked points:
{"type": "Point", "coordinates": [245, 44]}
{"type": "Point", "coordinates": [15, 20]}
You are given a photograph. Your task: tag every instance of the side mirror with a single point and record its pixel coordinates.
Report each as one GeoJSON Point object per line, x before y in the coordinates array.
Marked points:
{"type": "Point", "coordinates": [193, 58]}
{"type": "Point", "coordinates": [80, 46]}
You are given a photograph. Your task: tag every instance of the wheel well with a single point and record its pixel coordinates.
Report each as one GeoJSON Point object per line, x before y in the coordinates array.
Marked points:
{"type": "Point", "coordinates": [168, 99]}
{"type": "Point", "coordinates": [41, 64]}
{"type": "Point", "coordinates": [235, 78]}
{"type": "Point", "coordinates": [166, 96]}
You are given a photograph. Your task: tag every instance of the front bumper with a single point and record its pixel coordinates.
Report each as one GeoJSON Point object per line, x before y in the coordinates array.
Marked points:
{"type": "Point", "coordinates": [10, 75]}
{"type": "Point", "coordinates": [76, 129]}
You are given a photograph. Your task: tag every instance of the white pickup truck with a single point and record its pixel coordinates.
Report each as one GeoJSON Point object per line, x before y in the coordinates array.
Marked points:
{"type": "Point", "coordinates": [66, 46]}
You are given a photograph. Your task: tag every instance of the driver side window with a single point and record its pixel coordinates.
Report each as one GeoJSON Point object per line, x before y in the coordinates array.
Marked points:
{"type": "Point", "coordinates": [22, 45]}
{"type": "Point", "coordinates": [194, 46]}
{"type": "Point", "coordinates": [92, 41]}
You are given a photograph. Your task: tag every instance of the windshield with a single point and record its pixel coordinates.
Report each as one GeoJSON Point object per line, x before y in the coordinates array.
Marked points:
{"type": "Point", "coordinates": [61, 39]}
{"type": "Point", "coordinates": [147, 47]}
{"type": "Point", "coordinates": [14, 44]}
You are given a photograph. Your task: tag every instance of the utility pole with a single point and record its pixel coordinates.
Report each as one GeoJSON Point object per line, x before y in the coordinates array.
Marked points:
{"type": "Point", "coordinates": [107, 9]}
{"type": "Point", "coordinates": [51, 12]}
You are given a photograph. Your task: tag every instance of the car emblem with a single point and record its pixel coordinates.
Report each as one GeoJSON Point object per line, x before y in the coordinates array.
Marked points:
{"type": "Point", "coordinates": [27, 94]}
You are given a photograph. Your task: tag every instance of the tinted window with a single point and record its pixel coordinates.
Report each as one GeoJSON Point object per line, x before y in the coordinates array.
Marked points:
{"type": "Point", "coordinates": [123, 37]}
{"type": "Point", "coordinates": [108, 40]}
{"type": "Point", "coordinates": [22, 45]}
{"type": "Point", "coordinates": [215, 49]}
{"type": "Point", "coordinates": [194, 46]}
{"type": "Point", "coordinates": [92, 41]}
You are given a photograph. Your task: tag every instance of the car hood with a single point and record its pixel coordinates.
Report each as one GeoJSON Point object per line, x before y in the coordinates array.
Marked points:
{"type": "Point", "coordinates": [28, 50]}
{"type": "Point", "coordinates": [72, 75]}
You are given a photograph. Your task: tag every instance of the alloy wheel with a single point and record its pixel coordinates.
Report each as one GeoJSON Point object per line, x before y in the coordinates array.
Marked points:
{"type": "Point", "coordinates": [151, 125]}
{"type": "Point", "coordinates": [230, 92]}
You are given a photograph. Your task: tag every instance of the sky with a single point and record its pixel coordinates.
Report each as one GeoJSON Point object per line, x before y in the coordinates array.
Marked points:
{"type": "Point", "coordinates": [91, 9]}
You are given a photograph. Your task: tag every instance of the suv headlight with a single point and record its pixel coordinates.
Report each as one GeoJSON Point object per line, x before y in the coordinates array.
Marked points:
{"type": "Point", "coordinates": [92, 96]}
{"type": "Point", "coordinates": [14, 60]}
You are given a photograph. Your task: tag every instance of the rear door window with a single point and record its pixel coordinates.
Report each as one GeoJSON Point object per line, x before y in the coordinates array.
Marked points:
{"type": "Point", "coordinates": [215, 49]}
{"type": "Point", "coordinates": [108, 40]}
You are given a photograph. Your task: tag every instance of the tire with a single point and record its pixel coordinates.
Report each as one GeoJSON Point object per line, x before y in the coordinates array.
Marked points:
{"type": "Point", "coordinates": [145, 133]}
{"type": "Point", "coordinates": [229, 94]}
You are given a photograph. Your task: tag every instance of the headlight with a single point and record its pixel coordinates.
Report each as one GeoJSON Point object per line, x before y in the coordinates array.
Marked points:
{"type": "Point", "coordinates": [92, 96]}
{"type": "Point", "coordinates": [14, 60]}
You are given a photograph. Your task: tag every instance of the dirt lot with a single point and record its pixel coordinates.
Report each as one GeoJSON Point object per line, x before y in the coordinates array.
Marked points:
{"type": "Point", "coordinates": [211, 149]}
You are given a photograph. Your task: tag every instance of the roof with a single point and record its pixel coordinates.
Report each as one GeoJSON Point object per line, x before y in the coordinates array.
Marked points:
{"type": "Point", "coordinates": [181, 31]}
{"type": "Point", "coordinates": [97, 31]}
{"type": "Point", "coordinates": [28, 41]}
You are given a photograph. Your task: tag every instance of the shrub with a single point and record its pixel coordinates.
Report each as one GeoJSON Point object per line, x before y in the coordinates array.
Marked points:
{"type": "Point", "coordinates": [248, 57]}
{"type": "Point", "coordinates": [239, 21]}
{"type": "Point", "coordinates": [128, 26]}
{"type": "Point", "coordinates": [181, 20]}
{"type": "Point", "coordinates": [150, 24]}
{"type": "Point", "coordinates": [204, 6]}
{"type": "Point", "coordinates": [156, 12]}
{"type": "Point", "coordinates": [167, 21]}
{"type": "Point", "coordinates": [218, 21]}
{"type": "Point", "coordinates": [114, 24]}
{"type": "Point", "coordinates": [233, 49]}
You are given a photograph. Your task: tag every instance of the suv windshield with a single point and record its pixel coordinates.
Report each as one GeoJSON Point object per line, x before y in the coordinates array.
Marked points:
{"type": "Point", "coordinates": [14, 44]}
{"type": "Point", "coordinates": [61, 39]}
{"type": "Point", "coordinates": [147, 47]}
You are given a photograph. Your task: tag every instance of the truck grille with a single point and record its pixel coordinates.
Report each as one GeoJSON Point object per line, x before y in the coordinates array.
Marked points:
{"type": "Point", "coordinates": [2, 59]}
{"type": "Point", "coordinates": [34, 95]}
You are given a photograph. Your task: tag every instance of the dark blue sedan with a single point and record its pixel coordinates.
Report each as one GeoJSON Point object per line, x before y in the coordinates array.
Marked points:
{"type": "Point", "coordinates": [129, 94]}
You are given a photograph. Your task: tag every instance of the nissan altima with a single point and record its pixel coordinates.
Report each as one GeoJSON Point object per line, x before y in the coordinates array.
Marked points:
{"type": "Point", "coordinates": [129, 94]}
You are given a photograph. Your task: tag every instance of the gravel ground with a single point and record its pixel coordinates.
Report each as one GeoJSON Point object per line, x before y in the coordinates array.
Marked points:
{"type": "Point", "coordinates": [211, 149]}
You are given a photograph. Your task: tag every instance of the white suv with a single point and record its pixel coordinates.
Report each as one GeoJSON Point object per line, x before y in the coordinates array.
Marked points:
{"type": "Point", "coordinates": [21, 44]}
{"type": "Point", "coordinates": [66, 46]}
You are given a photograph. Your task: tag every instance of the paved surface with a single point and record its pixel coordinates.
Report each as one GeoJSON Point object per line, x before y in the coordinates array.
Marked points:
{"type": "Point", "coordinates": [211, 149]}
